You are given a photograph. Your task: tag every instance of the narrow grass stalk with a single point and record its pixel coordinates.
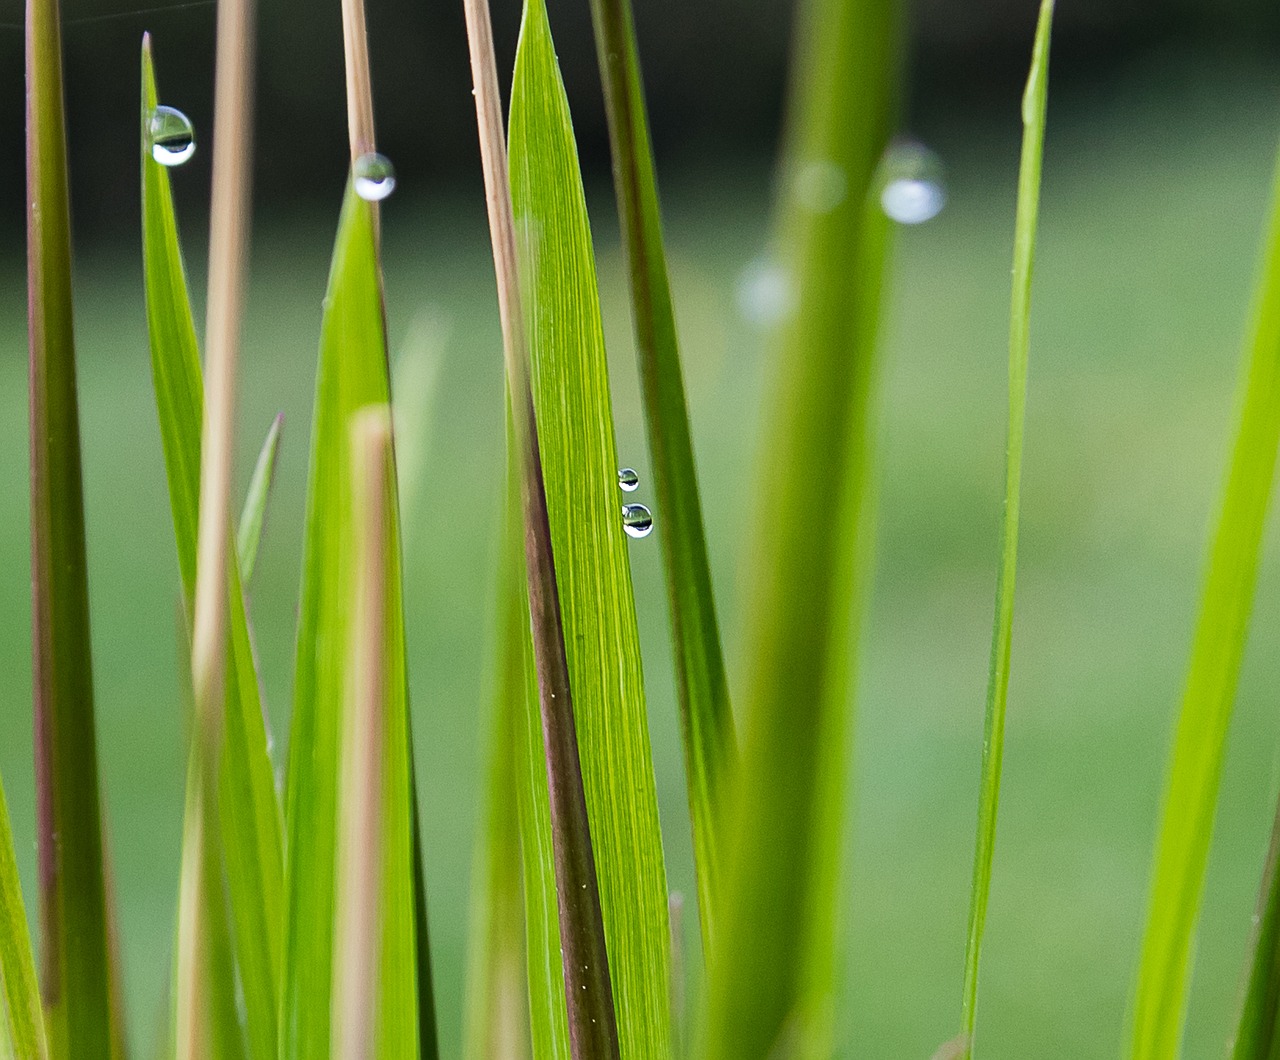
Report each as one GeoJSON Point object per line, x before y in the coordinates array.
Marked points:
{"type": "Point", "coordinates": [1034, 105]}
{"type": "Point", "coordinates": [592, 1029]}
{"type": "Point", "coordinates": [1257, 1033]}
{"type": "Point", "coordinates": [254, 513]}
{"type": "Point", "coordinates": [1195, 766]}
{"type": "Point", "coordinates": [773, 969]}
{"type": "Point", "coordinates": [73, 918]}
{"type": "Point", "coordinates": [705, 716]}
{"type": "Point", "coordinates": [360, 841]}
{"type": "Point", "coordinates": [21, 1020]}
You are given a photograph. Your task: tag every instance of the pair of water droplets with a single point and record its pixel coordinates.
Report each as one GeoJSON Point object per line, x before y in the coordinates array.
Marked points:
{"type": "Point", "coordinates": [173, 142]}
{"type": "Point", "coordinates": [637, 520]}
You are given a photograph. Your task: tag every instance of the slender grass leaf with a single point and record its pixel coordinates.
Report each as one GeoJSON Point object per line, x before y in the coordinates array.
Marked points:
{"type": "Point", "coordinates": [706, 719]}
{"type": "Point", "coordinates": [497, 1015]}
{"type": "Point", "coordinates": [21, 1019]}
{"type": "Point", "coordinates": [252, 518]}
{"type": "Point", "coordinates": [1191, 795]}
{"type": "Point", "coordinates": [1257, 1035]}
{"type": "Point", "coordinates": [1035, 102]}
{"type": "Point", "coordinates": [251, 826]}
{"type": "Point", "coordinates": [580, 466]}
{"type": "Point", "coordinates": [76, 970]}
{"type": "Point", "coordinates": [773, 966]}
{"type": "Point", "coordinates": [352, 373]}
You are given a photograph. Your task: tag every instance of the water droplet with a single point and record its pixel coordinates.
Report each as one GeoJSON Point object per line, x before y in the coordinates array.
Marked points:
{"type": "Point", "coordinates": [913, 189]}
{"type": "Point", "coordinates": [628, 480]}
{"type": "Point", "coordinates": [765, 294]}
{"type": "Point", "coordinates": [820, 186]}
{"type": "Point", "coordinates": [173, 140]}
{"type": "Point", "coordinates": [375, 177]}
{"type": "Point", "coordinates": [637, 521]}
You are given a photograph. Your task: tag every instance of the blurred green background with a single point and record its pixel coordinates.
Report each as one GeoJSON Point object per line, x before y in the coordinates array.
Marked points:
{"type": "Point", "coordinates": [1158, 166]}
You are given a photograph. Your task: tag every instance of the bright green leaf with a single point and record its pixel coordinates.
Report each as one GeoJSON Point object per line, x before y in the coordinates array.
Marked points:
{"type": "Point", "coordinates": [21, 1018]}
{"type": "Point", "coordinates": [254, 514]}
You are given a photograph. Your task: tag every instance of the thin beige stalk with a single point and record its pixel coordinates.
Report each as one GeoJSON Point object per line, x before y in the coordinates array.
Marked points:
{"type": "Point", "coordinates": [355, 46]}
{"type": "Point", "coordinates": [358, 927]}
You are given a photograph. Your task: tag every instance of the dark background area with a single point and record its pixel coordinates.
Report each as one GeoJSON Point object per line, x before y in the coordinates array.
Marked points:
{"type": "Point", "coordinates": [715, 72]}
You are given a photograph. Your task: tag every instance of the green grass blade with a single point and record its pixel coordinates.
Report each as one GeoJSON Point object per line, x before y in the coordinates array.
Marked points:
{"type": "Point", "coordinates": [1195, 767]}
{"type": "Point", "coordinates": [1257, 1034]}
{"type": "Point", "coordinates": [497, 1020]}
{"type": "Point", "coordinates": [352, 373]}
{"type": "Point", "coordinates": [579, 459]}
{"type": "Point", "coordinates": [1034, 105]}
{"type": "Point", "coordinates": [706, 719]}
{"type": "Point", "coordinates": [772, 971]}
{"type": "Point", "coordinates": [254, 515]}
{"type": "Point", "coordinates": [21, 1019]}
{"type": "Point", "coordinates": [76, 971]}
{"type": "Point", "coordinates": [251, 826]}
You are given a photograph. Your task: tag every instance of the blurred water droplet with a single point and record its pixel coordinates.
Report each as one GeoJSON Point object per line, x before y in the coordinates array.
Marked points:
{"type": "Point", "coordinates": [628, 480]}
{"type": "Point", "coordinates": [375, 177]}
{"type": "Point", "coordinates": [764, 293]}
{"type": "Point", "coordinates": [820, 186]}
{"type": "Point", "coordinates": [637, 520]}
{"type": "Point", "coordinates": [913, 188]}
{"type": "Point", "coordinates": [173, 140]}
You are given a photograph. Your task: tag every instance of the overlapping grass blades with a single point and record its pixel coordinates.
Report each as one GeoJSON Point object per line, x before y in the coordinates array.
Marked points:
{"type": "Point", "coordinates": [772, 968]}
{"type": "Point", "coordinates": [1195, 766]}
{"type": "Point", "coordinates": [706, 720]}
{"type": "Point", "coordinates": [1257, 1034]}
{"type": "Point", "coordinates": [352, 374]}
{"type": "Point", "coordinates": [1034, 105]}
{"type": "Point", "coordinates": [73, 915]}
{"type": "Point", "coordinates": [579, 461]}
{"type": "Point", "coordinates": [21, 1019]}
{"type": "Point", "coordinates": [251, 828]}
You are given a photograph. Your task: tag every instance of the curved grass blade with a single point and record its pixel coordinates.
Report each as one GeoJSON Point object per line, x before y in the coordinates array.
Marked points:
{"type": "Point", "coordinates": [580, 466]}
{"type": "Point", "coordinates": [77, 970]}
{"type": "Point", "coordinates": [21, 1019]}
{"type": "Point", "coordinates": [1195, 767]}
{"type": "Point", "coordinates": [352, 374]}
{"type": "Point", "coordinates": [705, 716]}
{"type": "Point", "coordinates": [1034, 105]}
{"type": "Point", "coordinates": [251, 826]}
{"type": "Point", "coordinates": [1257, 1035]}
{"type": "Point", "coordinates": [773, 967]}
{"type": "Point", "coordinates": [254, 515]}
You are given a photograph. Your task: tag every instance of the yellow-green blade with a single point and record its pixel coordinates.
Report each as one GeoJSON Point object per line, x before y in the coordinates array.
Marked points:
{"type": "Point", "coordinates": [579, 461]}
{"type": "Point", "coordinates": [73, 917]}
{"type": "Point", "coordinates": [1257, 1035]}
{"type": "Point", "coordinates": [1195, 766]}
{"type": "Point", "coordinates": [1034, 105]}
{"type": "Point", "coordinates": [21, 1018]}
{"type": "Point", "coordinates": [705, 716]}
{"type": "Point", "coordinates": [773, 963]}
{"type": "Point", "coordinates": [352, 373]}
{"type": "Point", "coordinates": [254, 514]}
{"type": "Point", "coordinates": [251, 826]}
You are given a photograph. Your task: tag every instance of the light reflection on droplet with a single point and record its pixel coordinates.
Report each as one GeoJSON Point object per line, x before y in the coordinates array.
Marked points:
{"type": "Point", "coordinates": [637, 520]}
{"type": "Point", "coordinates": [375, 177]}
{"type": "Point", "coordinates": [172, 137]}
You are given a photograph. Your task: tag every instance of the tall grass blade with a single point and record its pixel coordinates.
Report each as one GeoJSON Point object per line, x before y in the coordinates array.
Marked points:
{"type": "Point", "coordinates": [21, 1019]}
{"type": "Point", "coordinates": [706, 719]}
{"type": "Point", "coordinates": [497, 1020]}
{"type": "Point", "coordinates": [1034, 105]}
{"type": "Point", "coordinates": [580, 465]}
{"type": "Point", "coordinates": [1257, 1035]}
{"type": "Point", "coordinates": [589, 1023]}
{"type": "Point", "coordinates": [773, 966]}
{"type": "Point", "coordinates": [251, 826]}
{"type": "Point", "coordinates": [76, 965]}
{"type": "Point", "coordinates": [1195, 767]}
{"type": "Point", "coordinates": [254, 514]}
{"type": "Point", "coordinates": [352, 374]}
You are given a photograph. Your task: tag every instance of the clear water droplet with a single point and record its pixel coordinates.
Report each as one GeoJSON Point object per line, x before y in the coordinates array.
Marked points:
{"type": "Point", "coordinates": [764, 292]}
{"type": "Point", "coordinates": [173, 140]}
{"type": "Point", "coordinates": [375, 177]}
{"type": "Point", "coordinates": [913, 188]}
{"type": "Point", "coordinates": [628, 480]}
{"type": "Point", "coordinates": [637, 520]}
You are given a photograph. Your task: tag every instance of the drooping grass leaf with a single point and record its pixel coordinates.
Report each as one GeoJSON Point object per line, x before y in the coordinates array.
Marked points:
{"type": "Point", "coordinates": [1034, 105]}
{"type": "Point", "coordinates": [579, 461]}
{"type": "Point", "coordinates": [1195, 766]}
{"type": "Point", "coordinates": [251, 827]}
{"type": "Point", "coordinates": [352, 373]}
{"type": "Point", "coordinates": [21, 1019]}
{"type": "Point", "coordinates": [1257, 1034]}
{"type": "Point", "coordinates": [706, 720]}
{"type": "Point", "coordinates": [254, 514]}
{"type": "Point", "coordinates": [772, 969]}
{"type": "Point", "coordinates": [76, 966]}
